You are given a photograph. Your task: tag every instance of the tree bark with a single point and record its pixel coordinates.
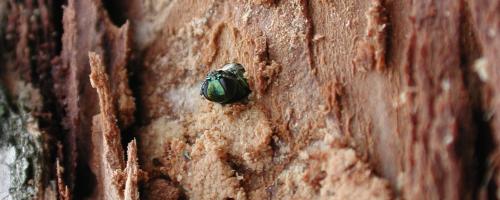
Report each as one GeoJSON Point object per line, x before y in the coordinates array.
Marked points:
{"type": "Point", "coordinates": [373, 99]}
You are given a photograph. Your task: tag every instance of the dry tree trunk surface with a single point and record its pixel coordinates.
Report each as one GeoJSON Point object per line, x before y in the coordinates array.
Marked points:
{"type": "Point", "coordinates": [373, 99]}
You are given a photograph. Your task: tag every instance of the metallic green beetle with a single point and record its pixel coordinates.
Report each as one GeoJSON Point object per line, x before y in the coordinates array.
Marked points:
{"type": "Point", "coordinates": [226, 85]}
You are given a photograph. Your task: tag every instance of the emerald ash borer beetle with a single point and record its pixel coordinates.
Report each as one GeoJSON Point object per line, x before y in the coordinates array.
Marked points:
{"type": "Point", "coordinates": [226, 85]}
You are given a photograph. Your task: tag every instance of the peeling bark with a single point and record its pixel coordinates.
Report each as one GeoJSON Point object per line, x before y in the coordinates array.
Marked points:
{"type": "Point", "coordinates": [87, 28]}
{"type": "Point", "coordinates": [114, 181]}
{"type": "Point", "coordinates": [377, 99]}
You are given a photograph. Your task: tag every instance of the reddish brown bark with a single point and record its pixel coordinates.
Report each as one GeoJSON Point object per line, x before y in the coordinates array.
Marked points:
{"type": "Point", "coordinates": [377, 99]}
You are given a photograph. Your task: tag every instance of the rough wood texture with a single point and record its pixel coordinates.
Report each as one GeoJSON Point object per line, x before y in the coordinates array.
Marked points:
{"type": "Point", "coordinates": [106, 139]}
{"type": "Point", "coordinates": [132, 171]}
{"type": "Point", "coordinates": [441, 133]}
{"type": "Point", "coordinates": [113, 180]}
{"type": "Point", "coordinates": [87, 28]}
{"type": "Point", "coordinates": [362, 99]}
{"type": "Point", "coordinates": [486, 20]}
{"type": "Point", "coordinates": [298, 60]}
{"type": "Point", "coordinates": [386, 77]}
{"type": "Point", "coordinates": [27, 45]}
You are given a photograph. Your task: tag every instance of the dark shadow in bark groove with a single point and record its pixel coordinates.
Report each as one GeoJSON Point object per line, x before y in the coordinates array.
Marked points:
{"type": "Point", "coordinates": [85, 181]}
{"type": "Point", "coordinates": [116, 11]}
{"type": "Point", "coordinates": [484, 187]}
